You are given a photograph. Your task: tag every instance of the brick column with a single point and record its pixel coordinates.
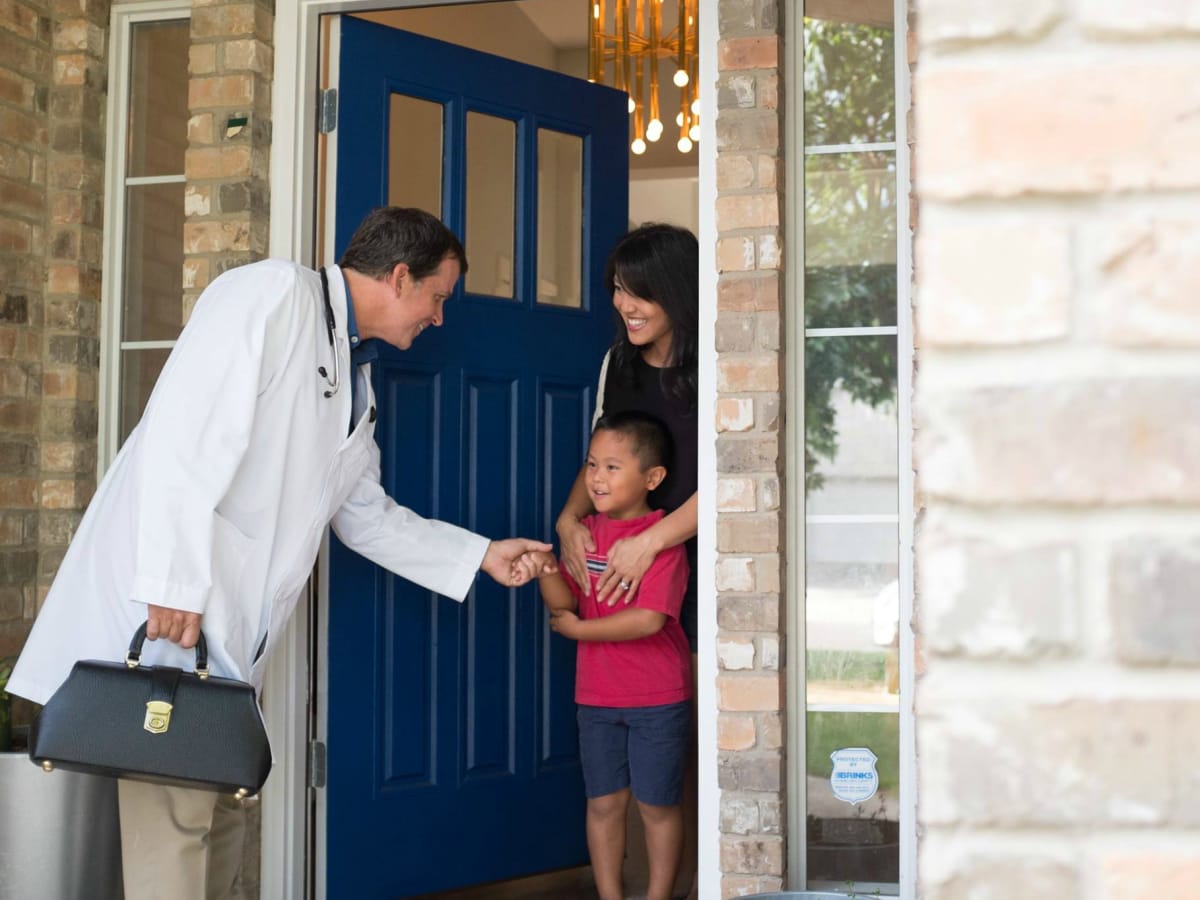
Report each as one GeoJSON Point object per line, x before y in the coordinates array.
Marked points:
{"type": "Point", "coordinates": [24, 80]}
{"type": "Point", "coordinates": [750, 611]}
{"type": "Point", "coordinates": [1058, 402]}
{"type": "Point", "coordinates": [71, 344]}
{"type": "Point", "coordinates": [229, 140]}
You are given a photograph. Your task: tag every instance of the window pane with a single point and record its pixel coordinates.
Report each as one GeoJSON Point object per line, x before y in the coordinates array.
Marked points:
{"type": "Point", "coordinates": [849, 66]}
{"type": "Point", "coordinates": [850, 424]}
{"type": "Point", "coordinates": [560, 219]}
{"type": "Point", "coordinates": [491, 204]}
{"type": "Point", "coordinates": [852, 611]}
{"type": "Point", "coordinates": [158, 102]}
{"type": "Point", "coordinates": [153, 294]}
{"type": "Point", "coordinates": [847, 841]}
{"type": "Point", "coordinates": [415, 167]}
{"type": "Point", "coordinates": [850, 239]}
{"type": "Point", "coordinates": [139, 371]}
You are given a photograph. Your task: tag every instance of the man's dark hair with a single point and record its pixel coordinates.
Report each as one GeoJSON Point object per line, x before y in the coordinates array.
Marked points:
{"type": "Point", "coordinates": [649, 439]}
{"type": "Point", "coordinates": [390, 235]}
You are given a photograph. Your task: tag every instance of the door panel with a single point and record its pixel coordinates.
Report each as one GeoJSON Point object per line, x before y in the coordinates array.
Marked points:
{"type": "Point", "coordinates": [452, 749]}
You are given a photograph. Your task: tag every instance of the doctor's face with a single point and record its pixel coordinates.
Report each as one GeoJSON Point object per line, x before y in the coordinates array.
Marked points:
{"type": "Point", "coordinates": [418, 304]}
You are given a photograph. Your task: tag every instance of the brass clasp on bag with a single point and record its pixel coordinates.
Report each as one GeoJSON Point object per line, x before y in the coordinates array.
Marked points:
{"type": "Point", "coordinates": [158, 716]}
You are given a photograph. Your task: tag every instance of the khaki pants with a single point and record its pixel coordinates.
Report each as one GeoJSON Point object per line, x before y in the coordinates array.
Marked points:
{"type": "Point", "coordinates": [179, 844]}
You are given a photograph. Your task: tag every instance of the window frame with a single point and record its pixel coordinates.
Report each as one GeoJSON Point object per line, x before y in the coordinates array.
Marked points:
{"type": "Point", "coordinates": [125, 17]}
{"type": "Point", "coordinates": [796, 516]}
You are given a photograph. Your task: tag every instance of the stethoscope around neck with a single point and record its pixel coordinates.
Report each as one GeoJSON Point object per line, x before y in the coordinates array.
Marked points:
{"type": "Point", "coordinates": [335, 382]}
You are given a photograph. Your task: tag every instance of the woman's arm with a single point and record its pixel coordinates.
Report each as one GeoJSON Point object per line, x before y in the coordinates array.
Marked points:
{"type": "Point", "coordinates": [575, 541]}
{"type": "Point", "coordinates": [629, 558]}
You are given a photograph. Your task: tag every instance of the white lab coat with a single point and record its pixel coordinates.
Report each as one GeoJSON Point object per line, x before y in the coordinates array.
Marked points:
{"type": "Point", "coordinates": [220, 498]}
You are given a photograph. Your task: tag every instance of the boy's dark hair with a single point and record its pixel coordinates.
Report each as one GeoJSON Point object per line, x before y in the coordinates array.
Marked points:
{"type": "Point", "coordinates": [650, 440]}
{"type": "Point", "coordinates": [390, 235]}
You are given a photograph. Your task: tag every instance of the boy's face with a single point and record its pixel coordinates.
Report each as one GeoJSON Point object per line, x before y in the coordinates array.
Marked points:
{"type": "Point", "coordinates": [615, 480]}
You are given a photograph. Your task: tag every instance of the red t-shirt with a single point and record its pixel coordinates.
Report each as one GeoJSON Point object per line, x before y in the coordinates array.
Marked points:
{"type": "Point", "coordinates": [649, 671]}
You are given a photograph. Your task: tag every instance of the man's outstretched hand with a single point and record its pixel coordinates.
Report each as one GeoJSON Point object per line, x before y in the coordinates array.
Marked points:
{"type": "Point", "coordinates": [176, 625]}
{"type": "Point", "coordinates": [503, 560]}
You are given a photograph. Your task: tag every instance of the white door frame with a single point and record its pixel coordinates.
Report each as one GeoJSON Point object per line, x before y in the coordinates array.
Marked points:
{"type": "Point", "coordinates": [292, 227]}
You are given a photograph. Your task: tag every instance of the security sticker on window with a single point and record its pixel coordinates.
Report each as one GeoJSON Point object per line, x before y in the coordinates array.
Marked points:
{"type": "Point", "coordinates": [854, 778]}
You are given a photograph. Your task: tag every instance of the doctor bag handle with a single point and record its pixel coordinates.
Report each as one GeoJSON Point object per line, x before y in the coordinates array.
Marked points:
{"type": "Point", "coordinates": [133, 657]}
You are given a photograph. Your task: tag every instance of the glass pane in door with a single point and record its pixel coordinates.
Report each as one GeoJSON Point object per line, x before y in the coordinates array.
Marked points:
{"type": "Point", "coordinates": [560, 218]}
{"type": "Point", "coordinates": [157, 134]}
{"type": "Point", "coordinates": [139, 372]}
{"type": "Point", "coordinates": [415, 166]}
{"type": "Point", "coordinates": [491, 204]}
{"type": "Point", "coordinates": [153, 290]}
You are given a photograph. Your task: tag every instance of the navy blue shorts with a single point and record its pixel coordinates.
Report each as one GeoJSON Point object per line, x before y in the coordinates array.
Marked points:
{"type": "Point", "coordinates": [645, 747]}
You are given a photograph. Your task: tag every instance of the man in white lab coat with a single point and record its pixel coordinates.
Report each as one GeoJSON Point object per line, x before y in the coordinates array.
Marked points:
{"type": "Point", "coordinates": [259, 435]}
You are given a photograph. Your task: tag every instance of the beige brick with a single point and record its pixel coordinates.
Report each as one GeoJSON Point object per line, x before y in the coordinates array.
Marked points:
{"type": "Point", "coordinates": [64, 494]}
{"type": "Point", "coordinates": [1155, 18]}
{"type": "Point", "coordinates": [769, 251]}
{"type": "Point", "coordinates": [949, 872]}
{"type": "Point", "coordinates": [1150, 874]}
{"type": "Point", "coordinates": [735, 414]}
{"type": "Point", "coordinates": [1103, 127]}
{"type": "Point", "coordinates": [747, 453]}
{"type": "Point", "coordinates": [202, 59]}
{"type": "Point", "coordinates": [218, 162]}
{"type": "Point", "coordinates": [738, 211]}
{"type": "Point", "coordinates": [981, 598]}
{"type": "Point", "coordinates": [746, 885]}
{"type": "Point", "coordinates": [734, 172]}
{"type": "Point", "coordinates": [752, 855]}
{"type": "Point", "coordinates": [735, 732]}
{"type": "Point", "coordinates": [753, 613]}
{"type": "Point", "coordinates": [1103, 763]}
{"type": "Point", "coordinates": [735, 254]}
{"type": "Point", "coordinates": [988, 283]}
{"type": "Point", "coordinates": [70, 69]}
{"type": "Point", "coordinates": [748, 53]}
{"type": "Point", "coordinates": [735, 655]}
{"type": "Point", "coordinates": [748, 373]}
{"type": "Point", "coordinates": [735, 495]}
{"type": "Point", "coordinates": [231, 20]}
{"type": "Point", "coordinates": [766, 572]}
{"type": "Point", "coordinates": [749, 693]}
{"type": "Point", "coordinates": [220, 90]}
{"type": "Point", "coordinates": [1074, 442]}
{"type": "Point", "coordinates": [735, 573]}
{"type": "Point", "coordinates": [739, 815]}
{"type": "Point", "coordinates": [751, 293]}
{"type": "Point", "coordinates": [960, 21]}
{"type": "Point", "coordinates": [748, 534]}
{"type": "Point", "coordinates": [197, 200]}
{"type": "Point", "coordinates": [62, 456]}
{"type": "Point", "coordinates": [752, 131]}
{"type": "Point", "coordinates": [768, 171]}
{"type": "Point", "coordinates": [1143, 278]}
{"type": "Point", "coordinates": [200, 129]}
{"type": "Point", "coordinates": [735, 333]}
{"type": "Point", "coordinates": [79, 34]}
{"type": "Point", "coordinates": [771, 731]}
{"type": "Point", "coordinates": [247, 54]}
{"type": "Point", "coordinates": [1152, 601]}
{"type": "Point", "coordinates": [216, 237]}
{"type": "Point", "coordinates": [195, 274]}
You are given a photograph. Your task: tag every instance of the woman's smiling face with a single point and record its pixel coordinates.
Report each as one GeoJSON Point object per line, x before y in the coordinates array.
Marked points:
{"type": "Point", "coordinates": [646, 324]}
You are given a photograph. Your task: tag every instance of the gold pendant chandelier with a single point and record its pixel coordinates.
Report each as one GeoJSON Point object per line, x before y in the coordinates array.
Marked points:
{"type": "Point", "coordinates": [634, 47]}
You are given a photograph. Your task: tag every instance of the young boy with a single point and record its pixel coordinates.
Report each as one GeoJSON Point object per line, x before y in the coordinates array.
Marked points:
{"type": "Point", "coordinates": [633, 669]}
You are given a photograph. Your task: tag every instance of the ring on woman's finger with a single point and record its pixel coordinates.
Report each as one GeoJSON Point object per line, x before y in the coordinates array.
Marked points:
{"type": "Point", "coordinates": [624, 585]}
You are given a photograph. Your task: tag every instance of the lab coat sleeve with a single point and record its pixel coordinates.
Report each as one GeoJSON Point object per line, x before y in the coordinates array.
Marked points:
{"type": "Point", "coordinates": [436, 555]}
{"type": "Point", "coordinates": [196, 429]}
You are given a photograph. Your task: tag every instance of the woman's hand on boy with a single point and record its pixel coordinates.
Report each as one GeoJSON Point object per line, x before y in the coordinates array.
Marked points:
{"type": "Point", "coordinates": [628, 560]}
{"type": "Point", "coordinates": [575, 542]}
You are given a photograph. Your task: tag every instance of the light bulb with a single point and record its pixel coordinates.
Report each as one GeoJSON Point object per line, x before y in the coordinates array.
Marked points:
{"type": "Point", "coordinates": [654, 130]}
{"type": "Point", "coordinates": [694, 132]}
{"type": "Point", "coordinates": [679, 119]}
{"type": "Point", "coordinates": [632, 105]}
{"type": "Point", "coordinates": [696, 107]}
{"type": "Point", "coordinates": [684, 144]}
{"type": "Point", "coordinates": [638, 146]}
{"type": "Point", "coordinates": [681, 78]}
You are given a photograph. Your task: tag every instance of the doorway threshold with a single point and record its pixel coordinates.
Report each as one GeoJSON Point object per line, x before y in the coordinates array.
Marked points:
{"type": "Point", "coordinates": [565, 884]}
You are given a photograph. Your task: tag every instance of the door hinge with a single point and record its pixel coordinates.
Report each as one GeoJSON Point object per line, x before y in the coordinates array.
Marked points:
{"type": "Point", "coordinates": [316, 764]}
{"type": "Point", "coordinates": [327, 115]}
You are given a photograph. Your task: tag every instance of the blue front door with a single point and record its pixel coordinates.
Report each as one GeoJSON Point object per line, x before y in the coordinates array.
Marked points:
{"type": "Point", "coordinates": [452, 754]}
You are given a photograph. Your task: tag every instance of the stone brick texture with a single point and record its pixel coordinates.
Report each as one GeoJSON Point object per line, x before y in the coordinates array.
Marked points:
{"type": "Point", "coordinates": [53, 72]}
{"type": "Point", "coordinates": [750, 451]}
{"type": "Point", "coordinates": [1056, 448]}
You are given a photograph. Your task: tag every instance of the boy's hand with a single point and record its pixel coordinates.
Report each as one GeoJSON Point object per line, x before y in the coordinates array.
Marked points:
{"type": "Point", "coordinates": [535, 564]}
{"type": "Point", "coordinates": [565, 623]}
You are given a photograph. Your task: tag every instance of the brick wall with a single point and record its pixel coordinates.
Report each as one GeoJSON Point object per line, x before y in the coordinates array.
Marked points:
{"type": "Point", "coordinates": [1058, 270]}
{"type": "Point", "coordinates": [52, 96]}
{"type": "Point", "coordinates": [229, 139]}
{"type": "Point", "coordinates": [750, 452]}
